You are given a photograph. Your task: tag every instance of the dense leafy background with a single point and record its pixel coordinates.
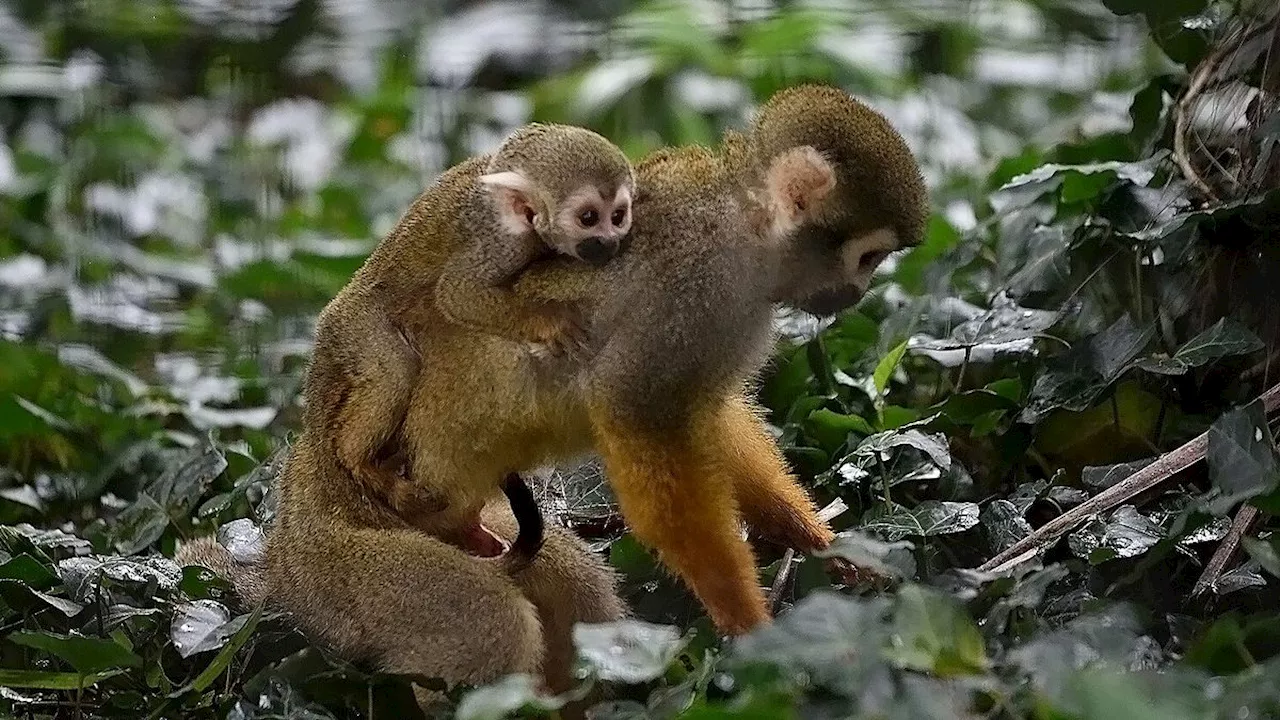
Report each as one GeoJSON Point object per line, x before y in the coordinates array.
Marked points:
{"type": "Point", "coordinates": [184, 183]}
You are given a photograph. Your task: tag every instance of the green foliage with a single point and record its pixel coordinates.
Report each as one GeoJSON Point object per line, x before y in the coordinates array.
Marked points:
{"type": "Point", "coordinates": [170, 226]}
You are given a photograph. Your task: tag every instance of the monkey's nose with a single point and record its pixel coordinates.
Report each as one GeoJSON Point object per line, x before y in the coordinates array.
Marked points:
{"type": "Point", "coordinates": [598, 250]}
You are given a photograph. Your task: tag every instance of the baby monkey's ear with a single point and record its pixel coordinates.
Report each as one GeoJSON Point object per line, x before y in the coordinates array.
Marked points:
{"type": "Point", "coordinates": [514, 199]}
{"type": "Point", "coordinates": [797, 182]}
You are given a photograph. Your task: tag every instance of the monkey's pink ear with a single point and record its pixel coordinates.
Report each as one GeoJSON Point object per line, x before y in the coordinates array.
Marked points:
{"type": "Point", "coordinates": [797, 182]}
{"type": "Point", "coordinates": [514, 199]}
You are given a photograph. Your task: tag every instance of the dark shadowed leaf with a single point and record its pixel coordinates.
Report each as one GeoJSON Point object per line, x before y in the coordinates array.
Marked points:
{"type": "Point", "coordinates": [29, 571]}
{"type": "Point", "coordinates": [933, 633]}
{"type": "Point", "coordinates": [1242, 458]}
{"type": "Point", "coordinates": [1003, 524]}
{"type": "Point", "coordinates": [628, 651]}
{"type": "Point", "coordinates": [1111, 350]}
{"type": "Point", "coordinates": [87, 655]}
{"type": "Point", "coordinates": [140, 525]}
{"type": "Point", "coordinates": [182, 483]}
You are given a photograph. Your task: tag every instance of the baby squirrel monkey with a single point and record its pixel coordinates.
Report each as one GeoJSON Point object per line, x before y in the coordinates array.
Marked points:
{"type": "Point", "coordinates": [801, 210]}
{"type": "Point", "coordinates": [548, 188]}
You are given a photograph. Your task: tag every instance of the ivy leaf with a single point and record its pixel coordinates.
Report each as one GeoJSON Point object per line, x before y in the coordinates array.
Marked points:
{"type": "Point", "coordinates": [1224, 339]}
{"type": "Point", "coordinates": [1111, 350]}
{"type": "Point", "coordinates": [87, 655]}
{"type": "Point", "coordinates": [884, 369]}
{"type": "Point", "coordinates": [202, 625]}
{"type": "Point", "coordinates": [929, 518]}
{"type": "Point", "coordinates": [935, 446]}
{"type": "Point", "coordinates": [1267, 554]}
{"type": "Point", "coordinates": [1003, 524]}
{"type": "Point", "coordinates": [498, 700]}
{"type": "Point", "coordinates": [1006, 322]}
{"type": "Point", "coordinates": [864, 551]}
{"type": "Point", "coordinates": [1242, 458]}
{"type": "Point", "coordinates": [140, 525]}
{"type": "Point", "coordinates": [1127, 533]}
{"type": "Point", "coordinates": [183, 483]}
{"type": "Point", "coordinates": [629, 651]}
{"type": "Point", "coordinates": [933, 633]}
{"type": "Point", "coordinates": [835, 640]}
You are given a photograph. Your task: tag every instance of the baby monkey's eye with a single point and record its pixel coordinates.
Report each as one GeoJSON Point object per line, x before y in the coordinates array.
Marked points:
{"type": "Point", "coordinates": [589, 218]}
{"type": "Point", "coordinates": [618, 216]}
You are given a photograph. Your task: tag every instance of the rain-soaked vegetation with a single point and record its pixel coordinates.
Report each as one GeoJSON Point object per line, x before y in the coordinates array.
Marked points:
{"type": "Point", "coordinates": [1051, 422]}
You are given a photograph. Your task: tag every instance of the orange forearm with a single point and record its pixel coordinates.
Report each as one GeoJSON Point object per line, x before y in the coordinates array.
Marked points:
{"type": "Point", "coordinates": [684, 507]}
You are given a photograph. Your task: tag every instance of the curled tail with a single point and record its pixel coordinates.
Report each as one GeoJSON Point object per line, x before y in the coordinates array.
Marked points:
{"type": "Point", "coordinates": [246, 578]}
{"type": "Point", "coordinates": [530, 536]}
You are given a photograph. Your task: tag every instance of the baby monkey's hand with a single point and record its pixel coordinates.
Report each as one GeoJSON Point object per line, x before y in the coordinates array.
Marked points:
{"type": "Point", "coordinates": [561, 329]}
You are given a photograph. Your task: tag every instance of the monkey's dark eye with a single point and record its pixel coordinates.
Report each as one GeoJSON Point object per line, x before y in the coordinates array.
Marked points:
{"type": "Point", "coordinates": [589, 218]}
{"type": "Point", "coordinates": [871, 260]}
{"type": "Point", "coordinates": [618, 217]}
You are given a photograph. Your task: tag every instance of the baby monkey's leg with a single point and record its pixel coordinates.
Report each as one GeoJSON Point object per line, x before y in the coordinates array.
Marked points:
{"type": "Point", "coordinates": [382, 370]}
{"type": "Point", "coordinates": [771, 500]}
{"type": "Point", "coordinates": [677, 503]}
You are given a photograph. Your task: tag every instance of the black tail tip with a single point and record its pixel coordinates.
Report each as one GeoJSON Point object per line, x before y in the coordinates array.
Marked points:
{"type": "Point", "coordinates": [528, 516]}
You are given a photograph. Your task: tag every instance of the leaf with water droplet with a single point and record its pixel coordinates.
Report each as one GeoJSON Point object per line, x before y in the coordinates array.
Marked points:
{"type": "Point", "coordinates": [202, 625]}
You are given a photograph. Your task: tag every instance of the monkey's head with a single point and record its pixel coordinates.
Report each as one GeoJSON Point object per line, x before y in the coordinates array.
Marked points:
{"type": "Point", "coordinates": [569, 185]}
{"type": "Point", "coordinates": [877, 202]}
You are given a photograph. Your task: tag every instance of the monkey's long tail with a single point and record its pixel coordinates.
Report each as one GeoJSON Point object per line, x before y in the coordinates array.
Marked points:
{"type": "Point", "coordinates": [530, 537]}
{"type": "Point", "coordinates": [246, 578]}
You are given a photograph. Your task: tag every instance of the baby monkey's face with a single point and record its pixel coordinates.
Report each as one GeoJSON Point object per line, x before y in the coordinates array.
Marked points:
{"type": "Point", "coordinates": [591, 223]}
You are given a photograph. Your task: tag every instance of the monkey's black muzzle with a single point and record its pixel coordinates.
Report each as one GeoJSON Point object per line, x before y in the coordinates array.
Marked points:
{"type": "Point", "coordinates": [598, 250]}
{"type": "Point", "coordinates": [831, 301]}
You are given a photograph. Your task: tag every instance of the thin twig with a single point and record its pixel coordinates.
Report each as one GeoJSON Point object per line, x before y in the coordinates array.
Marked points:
{"type": "Point", "coordinates": [1165, 467]}
{"type": "Point", "coordinates": [1244, 518]}
{"type": "Point", "coordinates": [833, 510]}
{"type": "Point", "coordinates": [780, 580]}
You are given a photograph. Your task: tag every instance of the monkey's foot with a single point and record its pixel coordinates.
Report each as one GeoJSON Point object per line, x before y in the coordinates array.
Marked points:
{"type": "Point", "coordinates": [852, 575]}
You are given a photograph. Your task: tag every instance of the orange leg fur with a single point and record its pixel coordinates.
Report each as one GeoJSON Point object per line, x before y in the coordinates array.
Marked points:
{"type": "Point", "coordinates": [771, 500]}
{"type": "Point", "coordinates": [682, 506]}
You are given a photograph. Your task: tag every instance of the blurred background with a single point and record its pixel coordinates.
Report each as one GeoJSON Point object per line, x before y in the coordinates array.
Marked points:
{"type": "Point", "coordinates": [183, 183]}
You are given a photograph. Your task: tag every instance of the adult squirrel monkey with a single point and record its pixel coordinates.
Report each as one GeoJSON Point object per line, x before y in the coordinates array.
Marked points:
{"type": "Point", "coordinates": [801, 210]}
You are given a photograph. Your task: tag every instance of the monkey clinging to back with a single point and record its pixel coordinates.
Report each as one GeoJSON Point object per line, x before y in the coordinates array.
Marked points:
{"type": "Point", "coordinates": [548, 188]}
